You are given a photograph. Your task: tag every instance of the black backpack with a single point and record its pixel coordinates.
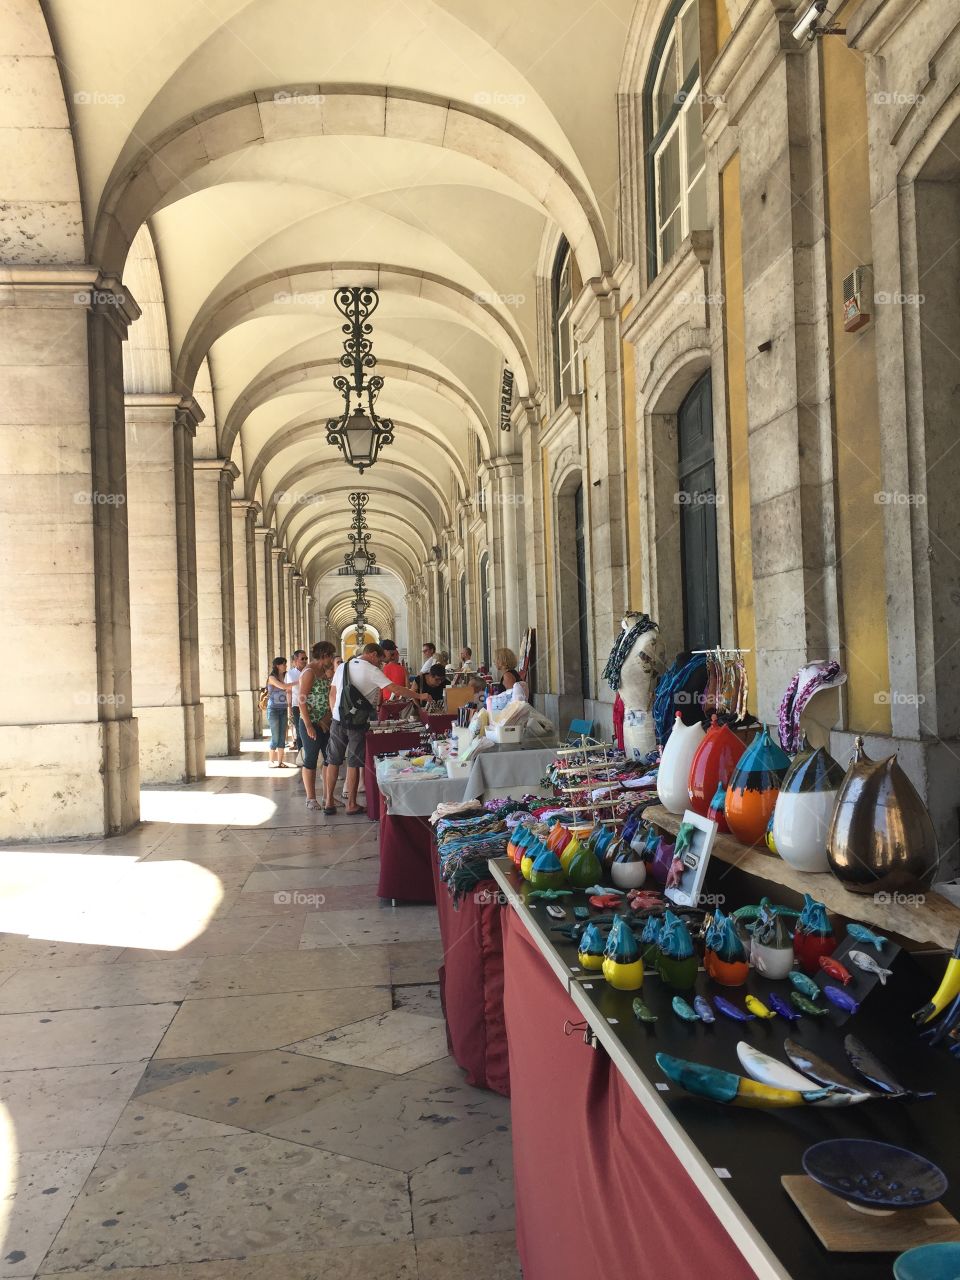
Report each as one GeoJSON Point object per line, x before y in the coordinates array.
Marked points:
{"type": "Point", "coordinates": [355, 709]}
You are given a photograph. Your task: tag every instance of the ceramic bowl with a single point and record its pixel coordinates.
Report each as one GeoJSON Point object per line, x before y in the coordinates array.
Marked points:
{"type": "Point", "coordinates": [874, 1175]}
{"type": "Point", "coordinates": [929, 1262]}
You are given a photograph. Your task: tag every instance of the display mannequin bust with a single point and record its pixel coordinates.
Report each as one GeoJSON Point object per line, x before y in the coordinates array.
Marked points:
{"type": "Point", "coordinates": [632, 670]}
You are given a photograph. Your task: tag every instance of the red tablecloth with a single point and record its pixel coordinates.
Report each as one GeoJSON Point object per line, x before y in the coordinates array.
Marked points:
{"type": "Point", "coordinates": [438, 723]}
{"type": "Point", "coordinates": [598, 1191]}
{"type": "Point", "coordinates": [471, 982]}
{"type": "Point", "coordinates": [405, 859]}
{"type": "Point", "coordinates": [392, 709]}
{"type": "Point", "coordinates": [383, 744]}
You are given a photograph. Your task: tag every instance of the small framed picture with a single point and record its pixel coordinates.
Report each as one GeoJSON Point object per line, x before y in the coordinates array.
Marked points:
{"type": "Point", "coordinates": [694, 842]}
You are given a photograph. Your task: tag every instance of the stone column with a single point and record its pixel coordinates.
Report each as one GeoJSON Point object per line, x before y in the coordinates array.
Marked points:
{"type": "Point", "coordinates": [279, 604]}
{"type": "Point", "coordinates": [293, 629]}
{"type": "Point", "coordinates": [69, 755]}
{"type": "Point", "coordinates": [213, 483]}
{"type": "Point", "coordinates": [163, 585]}
{"type": "Point", "coordinates": [243, 514]}
{"type": "Point", "coordinates": [310, 630]}
{"type": "Point", "coordinates": [264, 564]}
{"type": "Point", "coordinates": [505, 479]}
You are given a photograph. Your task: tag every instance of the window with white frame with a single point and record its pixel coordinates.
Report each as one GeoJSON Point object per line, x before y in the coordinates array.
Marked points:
{"type": "Point", "coordinates": [564, 374]}
{"type": "Point", "coordinates": [677, 187]}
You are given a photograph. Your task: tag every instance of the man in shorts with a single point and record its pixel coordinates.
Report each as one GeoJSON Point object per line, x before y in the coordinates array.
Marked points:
{"type": "Point", "coordinates": [347, 744]}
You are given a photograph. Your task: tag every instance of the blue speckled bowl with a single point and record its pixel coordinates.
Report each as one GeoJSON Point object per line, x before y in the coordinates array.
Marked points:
{"type": "Point", "coordinates": [875, 1175]}
{"type": "Point", "coordinates": [929, 1262]}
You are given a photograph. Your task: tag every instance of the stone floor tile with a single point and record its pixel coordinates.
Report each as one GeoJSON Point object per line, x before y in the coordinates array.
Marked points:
{"type": "Point", "coordinates": [235, 937]}
{"type": "Point", "coordinates": [17, 952]}
{"type": "Point", "coordinates": [237, 1024]}
{"type": "Point", "coordinates": [261, 1091]}
{"type": "Point", "coordinates": [400, 1123]}
{"type": "Point", "coordinates": [481, 1256]}
{"type": "Point", "coordinates": [422, 998]}
{"type": "Point", "coordinates": [42, 1190]}
{"type": "Point", "coordinates": [319, 896]}
{"type": "Point", "coordinates": [141, 1121]}
{"type": "Point", "coordinates": [278, 971]}
{"type": "Point", "coordinates": [70, 1037]}
{"type": "Point", "coordinates": [84, 986]}
{"type": "Point", "coordinates": [444, 1071]}
{"type": "Point", "coordinates": [388, 924]}
{"type": "Point", "coordinates": [360, 1262]}
{"type": "Point", "coordinates": [467, 1191]}
{"type": "Point", "coordinates": [414, 962]}
{"type": "Point", "coordinates": [62, 1108]}
{"type": "Point", "coordinates": [396, 1042]}
{"type": "Point", "coordinates": [161, 1072]}
{"type": "Point", "coordinates": [170, 1202]}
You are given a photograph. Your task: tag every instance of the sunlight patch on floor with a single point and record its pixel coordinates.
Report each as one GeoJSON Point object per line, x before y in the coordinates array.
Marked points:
{"type": "Point", "coordinates": [106, 901]}
{"type": "Point", "coordinates": [204, 808]}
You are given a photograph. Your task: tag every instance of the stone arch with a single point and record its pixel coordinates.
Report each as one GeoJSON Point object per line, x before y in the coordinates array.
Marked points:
{"type": "Point", "coordinates": [142, 184]}
{"type": "Point", "coordinates": [146, 352]}
{"type": "Point", "coordinates": [306, 537]}
{"type": "Point", "coordinates": [219, 315]}
{"type": "Point", "coordinates": [323, 494]}
{"type": "Point", "coordinates": [265, 388]}
{"type": "Point", "coordinates": [305, 469]}
{"type": "Point", "coordinates": [43, 210]}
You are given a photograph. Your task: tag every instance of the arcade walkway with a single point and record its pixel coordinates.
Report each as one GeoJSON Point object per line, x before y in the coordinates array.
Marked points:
{"type": "Point", "coordinates": [221, 1057]}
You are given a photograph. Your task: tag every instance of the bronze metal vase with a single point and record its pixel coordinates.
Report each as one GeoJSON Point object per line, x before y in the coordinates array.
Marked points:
{"type": "Point", "coordinates": [881, 838]}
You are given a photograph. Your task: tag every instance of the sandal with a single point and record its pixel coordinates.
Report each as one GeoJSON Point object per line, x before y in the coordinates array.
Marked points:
{"type": "Point", "coordinates": [330, 810]}
{"type": "Point", "coordinates": [313, 804]}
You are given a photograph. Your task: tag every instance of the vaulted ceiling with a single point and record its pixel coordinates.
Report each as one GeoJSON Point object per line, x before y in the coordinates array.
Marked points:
{"type": "Point", "coordinates": [274, 150]}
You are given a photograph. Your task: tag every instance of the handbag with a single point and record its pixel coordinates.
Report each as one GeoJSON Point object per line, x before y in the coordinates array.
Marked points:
{"type": "Point", "coordinates": [262, 699]}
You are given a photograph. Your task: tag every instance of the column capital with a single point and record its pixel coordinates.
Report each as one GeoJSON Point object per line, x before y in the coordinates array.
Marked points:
{"type": "Point", "coordinates": [249, 506]}
{"type": "Point", "coordinates": [48, 285]}
{"type": "Point", "coordinates": [280, 553]}
{"type": "Point", "coordinates": [223, 466]}
{"type": "Point", "coordinates": [260, 531]}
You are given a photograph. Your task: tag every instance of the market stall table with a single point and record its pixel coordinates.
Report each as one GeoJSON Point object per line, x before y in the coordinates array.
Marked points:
{"type": "Point", "coordinates": [406, 803]}
{"type": "Point", "coordinates": [471, 981]}
{"type": "Point", "coordinates": [383, 744]}
{"type": "Point", "coordinates": [618, 1170]}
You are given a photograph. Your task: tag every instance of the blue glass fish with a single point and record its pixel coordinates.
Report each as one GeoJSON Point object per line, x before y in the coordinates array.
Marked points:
{"type": "Point", "coordinates": [683, 1010]}
{"type": "Point", "coordinates": [862, 934]}
{"type": "Point", "coordinates": [731, 1011]}
{"type": "Point", "coordinates": [779, 1005]}
{"type": "Point", "coordinates": [702, 1006]}
{"type": "Point", "coordinates": [806, 986]}
{"type": "Point", "coordinates": [842, 999]}
{"type": "Point", "coordinates": [675, 940]}
{"type": "Point", "coordinates": [813, 918]}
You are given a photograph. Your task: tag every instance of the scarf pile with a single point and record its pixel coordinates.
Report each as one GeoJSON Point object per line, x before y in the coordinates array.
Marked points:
{"type": "Point", "coordinates": [464, 847]}
{"type": "Point", "coordinates": [791, 708]}
{"type": "Point", "coordinates": [674, 678]}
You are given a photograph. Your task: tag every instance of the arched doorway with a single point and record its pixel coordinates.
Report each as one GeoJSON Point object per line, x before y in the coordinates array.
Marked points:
{"type": "Point", "coordinates": [697, 496]}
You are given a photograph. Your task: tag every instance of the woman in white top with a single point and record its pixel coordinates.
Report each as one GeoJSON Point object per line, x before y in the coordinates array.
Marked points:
{"type": "Point", "coordinates": [514, 690]}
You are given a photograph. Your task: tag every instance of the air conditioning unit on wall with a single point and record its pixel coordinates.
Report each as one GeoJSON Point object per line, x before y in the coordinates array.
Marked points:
{"type": "Point", "coordinates": [857, 298]}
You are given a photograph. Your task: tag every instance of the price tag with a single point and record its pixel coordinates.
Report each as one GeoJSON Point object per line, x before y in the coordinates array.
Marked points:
{"type": "Point", "coordinates": [722, 1173]}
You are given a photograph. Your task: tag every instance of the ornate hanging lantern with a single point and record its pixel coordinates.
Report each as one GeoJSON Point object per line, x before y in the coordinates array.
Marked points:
{"type": "Point", "coordinates": [358, 433]}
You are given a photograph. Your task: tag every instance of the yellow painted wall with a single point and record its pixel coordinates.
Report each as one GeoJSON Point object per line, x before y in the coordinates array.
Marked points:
{"type": "Point", "coordinates": [722, 21]}
{"type": "Point", "coordinates": [738, 477]}
{"type": "Point", "coordinates": [632, 480]}
{"type": "Point", "coordinates": [860, 549]}
{"type": "Point", "coordinates": [546, 645]}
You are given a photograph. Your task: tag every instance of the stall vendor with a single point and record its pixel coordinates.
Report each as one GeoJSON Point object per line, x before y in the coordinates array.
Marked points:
{"type": "Point", "coordinates": [514, 690]}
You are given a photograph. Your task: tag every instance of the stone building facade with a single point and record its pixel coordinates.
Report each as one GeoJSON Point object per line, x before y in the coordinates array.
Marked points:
{"type": "Point", "coordinates": [620, 290]}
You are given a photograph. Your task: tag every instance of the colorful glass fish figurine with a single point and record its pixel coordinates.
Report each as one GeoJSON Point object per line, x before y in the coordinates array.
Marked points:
{"type": "Point", "coordinates": [806, 986]}
{"type": "Point", "coordinates": [712, 765]}
{"type": "Point", "coordinates": [872, 1069]}
{"type": "Point", "coordinates": [860, 933]}
{"type": "Point", "coordinates": [842, 999]}
{"type": "Point", "coordinates": [725, 956]}
{"type": "Point", "coordinates": [818, 1069]}
{"type": "Point", "coordinates": [583, 869]}
{"type": "Point", "coordinates": [676, 959]}
{"type": "Point", "coordinates": [628, 870]}
{"type": "Point", "coordinates": [836, 970]}
{"type": "Point", "coordinates": [869, 965]}
{"type": "Point", "coordinates": [581, 913]}
{"type": "Point", "coordinates": [724, 1086]}
{"type": "Point", "coordinates": [546, 872]}
{"type": "Point", "coordinates": [813, 936]}
{"type": "Point", "coordinates": [704, 1009]}
{"type": "Point", "coordinates": [758, 1008]}
{"type": "Point", "coordinates": [731, 1011]}
{"type": "Point", "coordinates": [779, 1005]}
{"type": "Point", "coordinates": [531, 851]}
{"type": "Point", "coordinates": [807, 1006]}
{"type": "Point", "coordinates": [771, 951]}
{"type": "Point", "coordinates": [683, 1010]}
{"type": "Point", "coordinates": [591, 948]}
{"type": "Point", "coordinates": [715, 812]}
{"type": "Point", "coordinates": [622, 966]}
{"type": "Point", "coordinates": [641, 1012]}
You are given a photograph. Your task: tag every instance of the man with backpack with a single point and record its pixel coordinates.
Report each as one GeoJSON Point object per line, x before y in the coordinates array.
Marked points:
{"type": "Point", "coordinates": [352, 690]}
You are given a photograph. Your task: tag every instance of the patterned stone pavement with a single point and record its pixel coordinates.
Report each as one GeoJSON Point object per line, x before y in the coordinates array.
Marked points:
{"type": "Point", "coordinates": [222, 1057]}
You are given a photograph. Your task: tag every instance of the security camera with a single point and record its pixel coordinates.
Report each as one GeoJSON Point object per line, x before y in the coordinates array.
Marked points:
{"type": "Point", "coordinates": [806, 28]}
